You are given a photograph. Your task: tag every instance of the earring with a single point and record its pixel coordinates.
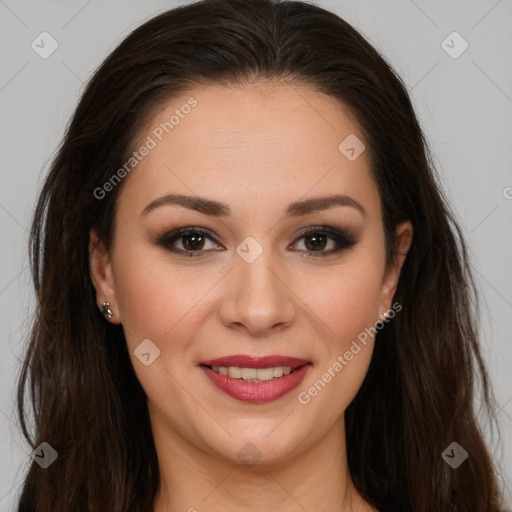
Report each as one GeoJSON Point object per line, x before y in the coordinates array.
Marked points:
{"type": "Point", "coordinates": [107, 312]}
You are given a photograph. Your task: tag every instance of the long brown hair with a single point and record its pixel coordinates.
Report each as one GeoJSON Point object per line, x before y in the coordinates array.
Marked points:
{"type": "Point", "coordinates": [418, 395]}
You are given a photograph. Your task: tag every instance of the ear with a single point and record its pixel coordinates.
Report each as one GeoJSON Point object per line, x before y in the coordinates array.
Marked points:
{"type": "Point", "coordinates": [404, 232]}
{"type": "Point", "coordinates": [102, 277]}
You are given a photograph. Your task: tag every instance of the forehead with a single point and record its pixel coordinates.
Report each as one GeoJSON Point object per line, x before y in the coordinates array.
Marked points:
{"type": "Point", "coordinates": [250, 142]}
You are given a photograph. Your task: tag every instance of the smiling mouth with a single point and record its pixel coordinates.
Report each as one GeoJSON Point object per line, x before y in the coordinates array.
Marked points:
{"type": "Point", "coordinates": [256, 385]}
{"type": "Point", "coordinates": [253, 374]}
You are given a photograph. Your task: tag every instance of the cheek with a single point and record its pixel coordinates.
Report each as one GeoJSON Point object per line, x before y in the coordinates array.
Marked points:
{"type": "Point", "coordinates": [153, 295]}
{"type": "Point", "coordinates": [159, 302]}
{"type": "Point", "coordinates": [346, 300]}
{"type": "Point", "coordinates": [348, 303]}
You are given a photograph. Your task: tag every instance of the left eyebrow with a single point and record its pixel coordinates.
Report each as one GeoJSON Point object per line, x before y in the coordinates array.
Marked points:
{"type": "Point", "coordinates": [317, 204]}
{"type": "Point", "coordinates": [218, 209]}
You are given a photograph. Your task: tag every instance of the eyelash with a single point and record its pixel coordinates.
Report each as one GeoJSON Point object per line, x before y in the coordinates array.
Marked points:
{"type": "Point", "coordinates": [343, 239]}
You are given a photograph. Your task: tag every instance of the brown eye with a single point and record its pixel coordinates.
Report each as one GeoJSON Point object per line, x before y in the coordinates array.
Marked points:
{"type": "Point", "coordinates": [188, 241]}
{"type": "Point", "coordinates": [193, 241]}
{"type": "Point", "coordinates": [317, 240]}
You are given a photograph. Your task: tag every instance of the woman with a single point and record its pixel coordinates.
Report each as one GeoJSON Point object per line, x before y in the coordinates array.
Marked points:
{"type": "Point", "coordinates": [251, 291]}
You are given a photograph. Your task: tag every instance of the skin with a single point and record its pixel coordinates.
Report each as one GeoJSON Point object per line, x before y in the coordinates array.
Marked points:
{"type": "Point", "coordinates": [256, 148]}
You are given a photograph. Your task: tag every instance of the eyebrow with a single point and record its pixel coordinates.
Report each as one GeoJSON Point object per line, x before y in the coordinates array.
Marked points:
{"type": "Point", "coordinates": [218, 209]}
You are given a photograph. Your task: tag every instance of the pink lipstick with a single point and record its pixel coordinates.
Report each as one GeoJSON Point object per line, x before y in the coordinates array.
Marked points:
{"type": "Point", "coordinates": [281, 375]}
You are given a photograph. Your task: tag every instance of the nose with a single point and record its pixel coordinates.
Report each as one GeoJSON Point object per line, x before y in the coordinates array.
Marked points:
{"type": "Point", "coordinates": [257, 297]}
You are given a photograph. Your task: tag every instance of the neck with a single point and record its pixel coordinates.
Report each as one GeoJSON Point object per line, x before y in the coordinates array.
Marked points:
{"type": "Point", "coordinates": [195, 481]}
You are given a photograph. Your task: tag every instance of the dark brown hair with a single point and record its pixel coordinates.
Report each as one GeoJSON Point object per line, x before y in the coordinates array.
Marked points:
{"type": "Point", "coordinates": [418, 394]}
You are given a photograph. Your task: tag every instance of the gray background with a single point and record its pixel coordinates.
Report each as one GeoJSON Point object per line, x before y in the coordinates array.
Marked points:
{"type": "Point", "coordinates": [464, 104]}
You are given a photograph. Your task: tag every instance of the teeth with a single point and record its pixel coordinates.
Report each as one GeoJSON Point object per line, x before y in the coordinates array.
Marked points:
{"type": "Point", "coordinates": [262, 373]}
{"type": "Point", "coordinates": [234, 372]}
{"type": "Point", "coordinates": [278, 372]}
{"type": "Point", "coordinates": [253, 374]}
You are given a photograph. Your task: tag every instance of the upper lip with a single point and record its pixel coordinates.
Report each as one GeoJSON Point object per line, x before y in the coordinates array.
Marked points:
{"type": "Point", "coordinates": [245, 361]}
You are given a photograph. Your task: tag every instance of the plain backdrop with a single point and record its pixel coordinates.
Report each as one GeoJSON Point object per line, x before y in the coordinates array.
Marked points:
{"type": "Point", "coordinates": [463, 99]}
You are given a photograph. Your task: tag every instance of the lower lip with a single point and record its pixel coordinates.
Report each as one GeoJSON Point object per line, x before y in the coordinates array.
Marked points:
{"type": "Point", "coordinates": [257, 392]}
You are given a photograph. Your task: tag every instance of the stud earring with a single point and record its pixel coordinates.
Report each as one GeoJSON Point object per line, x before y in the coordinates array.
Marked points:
{"type": "Point", "coordinates": [107, 312]}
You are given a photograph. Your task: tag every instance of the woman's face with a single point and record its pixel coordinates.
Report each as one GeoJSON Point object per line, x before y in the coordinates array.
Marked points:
{"type": "Point", "coordinates": [246, 280]}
